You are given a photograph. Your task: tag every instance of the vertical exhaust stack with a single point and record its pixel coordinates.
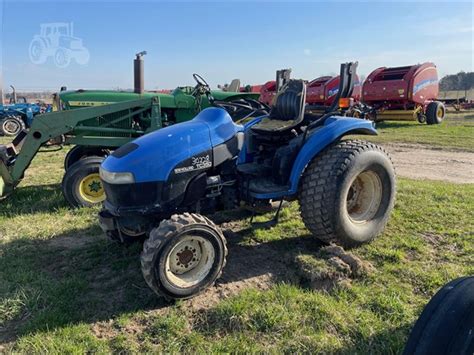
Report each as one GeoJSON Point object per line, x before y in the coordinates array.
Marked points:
{"type": "Point", "coordinates": [138, 70]}
{"type": "Point", "coordinates": [13, 97]}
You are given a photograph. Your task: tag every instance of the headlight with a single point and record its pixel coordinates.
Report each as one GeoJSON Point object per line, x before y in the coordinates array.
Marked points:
{"type": "Point", "coordinates": [116, 178]}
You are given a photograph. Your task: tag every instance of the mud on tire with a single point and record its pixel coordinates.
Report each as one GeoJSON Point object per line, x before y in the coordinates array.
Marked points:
{"type": "Point", "coordinates": [347, 193]}
{"type": "Point", "coordinates": [183, 256]}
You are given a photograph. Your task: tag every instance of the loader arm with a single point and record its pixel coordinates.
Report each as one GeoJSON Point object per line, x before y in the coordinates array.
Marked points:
{"type": "Point", "coordinates": [86, 125]}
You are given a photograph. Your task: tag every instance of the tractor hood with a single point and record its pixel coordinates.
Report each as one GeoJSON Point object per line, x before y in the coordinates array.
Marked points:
{"type": "Point", "coordinates": [178, 98]}
{"type": "Point", "coordinates": [184, 147]}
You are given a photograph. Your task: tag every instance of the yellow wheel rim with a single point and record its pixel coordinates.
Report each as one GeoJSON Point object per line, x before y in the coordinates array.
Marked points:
{"type": "Point", "coordinates": [439, 113]}
{"type": "Point", "coordinates": [91, 190]}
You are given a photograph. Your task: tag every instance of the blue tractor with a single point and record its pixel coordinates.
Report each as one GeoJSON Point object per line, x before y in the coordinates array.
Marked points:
{"type": "Point", "coordinates": [19, 114]}
{"type": "Point", "coordinates": [161, 186]}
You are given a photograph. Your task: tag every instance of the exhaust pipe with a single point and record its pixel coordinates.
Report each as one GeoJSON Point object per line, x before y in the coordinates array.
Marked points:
{"type": "Point", "coordinates": [13, 94]}
{"type": "Point", "coordinates": [138, 70]}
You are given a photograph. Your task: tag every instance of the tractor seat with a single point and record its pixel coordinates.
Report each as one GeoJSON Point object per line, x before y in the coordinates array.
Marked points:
{"type": "Point", "coordinates": [288, 110]}
{"type": "Point", "coordinates": [234, 86]}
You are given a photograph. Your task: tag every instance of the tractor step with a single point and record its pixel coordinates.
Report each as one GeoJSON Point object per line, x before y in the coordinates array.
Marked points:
{"type": "Point", "coordinates": [265, 186]}
{"type": "Point", "coordinates": [255, 169]}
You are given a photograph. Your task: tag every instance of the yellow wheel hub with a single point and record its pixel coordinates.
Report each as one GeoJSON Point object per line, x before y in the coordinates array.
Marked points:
{"type": "Point", "coordinates": [91, 190]}
{"type": "Point", "coordinates": [440, 112]}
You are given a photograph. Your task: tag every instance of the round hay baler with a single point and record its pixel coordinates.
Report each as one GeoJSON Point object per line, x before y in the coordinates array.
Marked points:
{"type": "Point", "coordinates": [404, 93]}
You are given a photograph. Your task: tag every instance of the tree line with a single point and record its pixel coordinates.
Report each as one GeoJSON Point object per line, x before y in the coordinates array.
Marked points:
{"type": "Point", "coordinates": [459, 81]}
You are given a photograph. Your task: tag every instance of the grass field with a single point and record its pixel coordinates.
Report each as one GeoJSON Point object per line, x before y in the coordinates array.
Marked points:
{"type": "Point", "coordinates": [456, 132]}
{"type": "Point", "coordinates": [65, 288]}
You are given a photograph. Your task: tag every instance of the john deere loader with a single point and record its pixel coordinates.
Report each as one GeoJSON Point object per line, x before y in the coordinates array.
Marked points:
{"type": "Point", "coordinates": [97, 122]}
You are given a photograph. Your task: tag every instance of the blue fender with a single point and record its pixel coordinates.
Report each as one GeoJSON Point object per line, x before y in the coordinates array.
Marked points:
{"type": "Point", "coordinates": [333, 129]}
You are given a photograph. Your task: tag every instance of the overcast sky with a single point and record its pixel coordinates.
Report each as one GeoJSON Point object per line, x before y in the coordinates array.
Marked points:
{"type": "Point", "coordinates": [229, 39]}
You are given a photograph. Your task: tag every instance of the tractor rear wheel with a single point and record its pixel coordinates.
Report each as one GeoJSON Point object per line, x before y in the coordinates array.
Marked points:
{"type": "Point", "coordinates": [11, 126]}
{"type": "Point", "coordinates": [81, 183]}
{"type": "Point", "coordinates": [435, 112]}
{"type": "Point", "coordinates": [446, 325]}
{"type": "Point", "coordinates": [183, 256]}
{"type": "Point", "coordinates": [347, 193]}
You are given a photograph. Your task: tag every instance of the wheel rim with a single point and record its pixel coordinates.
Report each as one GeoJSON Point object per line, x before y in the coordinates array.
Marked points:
{"type": "Point", "coordinates": [11, 126]}
{"type": "Point", "coordinates": [91, 190]}
{"type": "Point", "coordinates": [364, 197]}
{"type": "Point", "coordinates": [190, 261]}
{"type": "Point", "coordinates": [440, 112]}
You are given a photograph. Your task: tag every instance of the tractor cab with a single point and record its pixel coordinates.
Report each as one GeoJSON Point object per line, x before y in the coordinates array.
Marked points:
{"type": "Point", "coordinates": [56, 29]}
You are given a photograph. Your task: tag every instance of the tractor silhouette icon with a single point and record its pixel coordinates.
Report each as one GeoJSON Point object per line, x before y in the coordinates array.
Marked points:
{"type": "Point", "coordinates": [57, 40]}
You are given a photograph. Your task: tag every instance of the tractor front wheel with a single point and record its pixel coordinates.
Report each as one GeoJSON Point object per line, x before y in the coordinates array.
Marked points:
{"type": "Point", "coordinates": [435, 112]}
{"type": "Point", "coordinates": [81, 183]}
{"type": "Point", "coordinates": [183, 256]}
{"type": "Point", "coordinates": [347, 193]}
{"type": "Point", "coordinates": [11, 126]}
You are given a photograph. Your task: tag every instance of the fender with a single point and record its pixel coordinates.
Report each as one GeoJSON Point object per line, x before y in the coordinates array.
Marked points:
{"type": "Point", "coordinates": [334, 128]}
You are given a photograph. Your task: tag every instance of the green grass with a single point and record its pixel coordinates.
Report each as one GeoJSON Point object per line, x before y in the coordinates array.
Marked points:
{"type": "Point", "coordinates": [65, 288]}
{"type": "Point", "coordinates": [455, 132]}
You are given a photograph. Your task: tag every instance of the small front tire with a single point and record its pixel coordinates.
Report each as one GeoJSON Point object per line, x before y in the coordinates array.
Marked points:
{"type": "Point", "coordinates": [183, 256]}
{"type": "Point", "coordinates": [81, 183]}
{"type": "Point", "coordinates": [347, 193]}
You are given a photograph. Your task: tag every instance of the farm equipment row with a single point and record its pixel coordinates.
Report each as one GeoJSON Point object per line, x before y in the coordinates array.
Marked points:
{"type": "Point", "coordinates": [87, 120]}
{"type": "Point", "coordinates": [397, 93]}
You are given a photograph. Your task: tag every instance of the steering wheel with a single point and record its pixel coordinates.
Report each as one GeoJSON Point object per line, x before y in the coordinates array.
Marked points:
{"type": "Point", "coordinates": [202, 87]}
{"type": "Point", "coordinates": [242, 108]}
{"type": "Point", "coordinates": [200, 80]}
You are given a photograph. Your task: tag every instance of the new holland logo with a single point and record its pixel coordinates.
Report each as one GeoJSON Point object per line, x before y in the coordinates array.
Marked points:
{"type": "Point", "coordinates": [423, 84]}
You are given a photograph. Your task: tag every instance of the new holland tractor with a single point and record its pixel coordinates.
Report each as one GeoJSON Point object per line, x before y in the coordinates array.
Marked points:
{"type": "Point", "coordinates": [160, 186]}
{"type": "Point", "coordinates": [98, 122]}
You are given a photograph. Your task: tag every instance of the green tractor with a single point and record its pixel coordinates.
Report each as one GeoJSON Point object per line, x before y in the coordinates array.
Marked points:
{"type": "Point", "coordinates": [97, 122]}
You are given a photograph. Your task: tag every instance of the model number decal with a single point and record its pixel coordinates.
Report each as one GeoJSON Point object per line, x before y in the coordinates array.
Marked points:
{"type": "Point", "coordinates": [197, 163]}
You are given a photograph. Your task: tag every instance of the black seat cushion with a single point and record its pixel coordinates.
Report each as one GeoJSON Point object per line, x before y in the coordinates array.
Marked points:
{"type": "Point", "coordinates": [288, 109]}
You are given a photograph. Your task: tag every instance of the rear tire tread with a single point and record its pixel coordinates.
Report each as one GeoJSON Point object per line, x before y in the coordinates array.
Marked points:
{"type": "Point", "coordinates": [317, 187]}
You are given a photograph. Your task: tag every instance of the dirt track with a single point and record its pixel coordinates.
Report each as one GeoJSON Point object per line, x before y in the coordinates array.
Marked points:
{"type": "Point", "coordinates": [418, 161]}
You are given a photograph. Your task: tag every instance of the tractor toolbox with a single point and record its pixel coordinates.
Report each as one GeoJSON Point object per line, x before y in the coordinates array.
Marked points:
{"type": "Point", "coordinates": [404, 93]}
